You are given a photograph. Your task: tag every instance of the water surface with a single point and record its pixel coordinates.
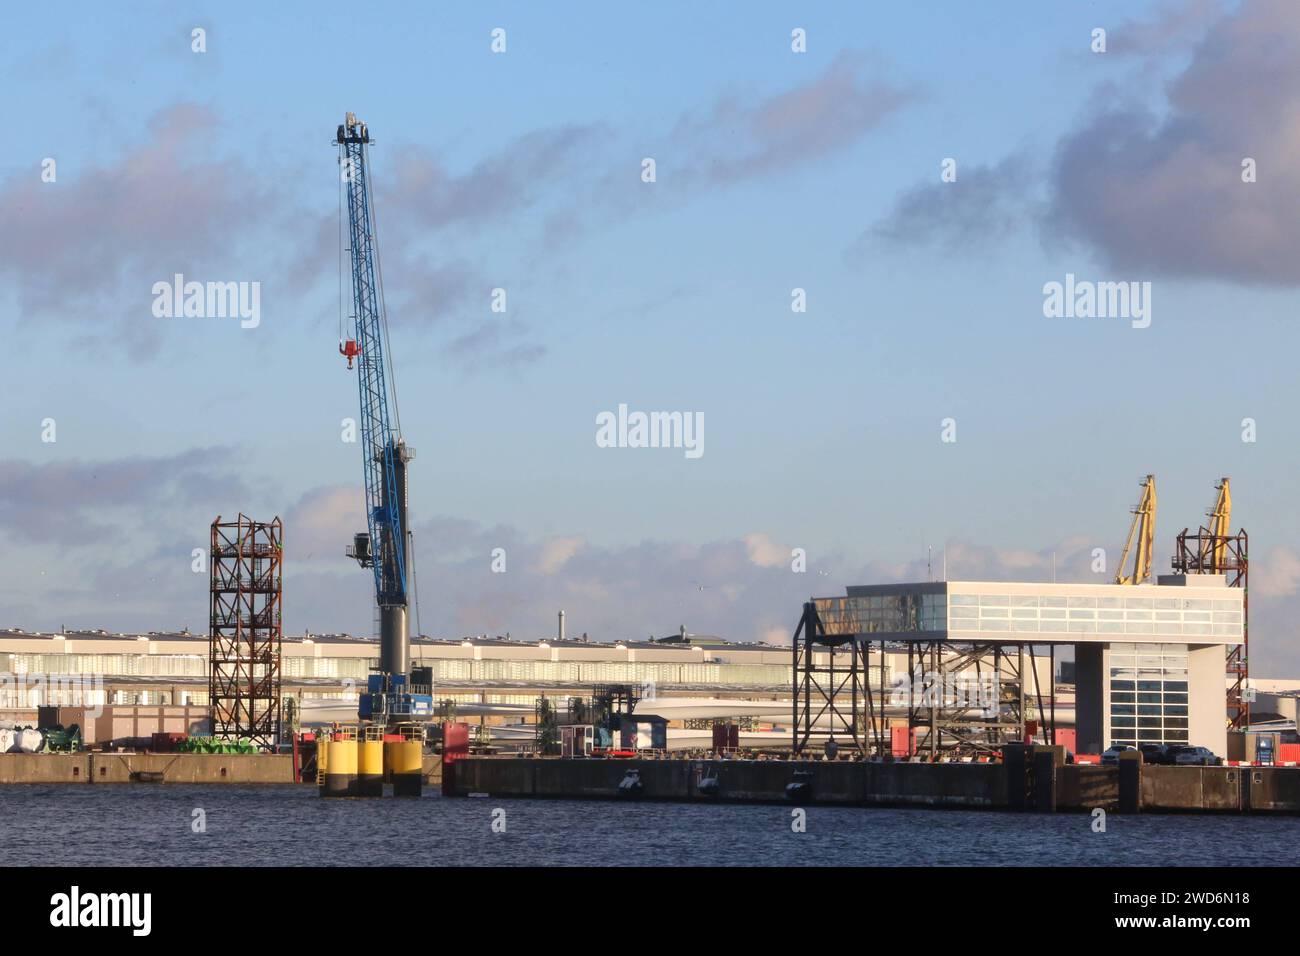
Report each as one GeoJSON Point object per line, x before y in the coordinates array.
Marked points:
{"type": "Point", "coordinates": [151, 825]}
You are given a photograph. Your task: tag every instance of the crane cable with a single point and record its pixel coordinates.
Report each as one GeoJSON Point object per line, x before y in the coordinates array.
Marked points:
{"type": "Point", "coordinates": [383, 303]}
{"type": "Point", "coordinates": [415, 587]}
{"type": "Point", "coordinates": [341, 245]}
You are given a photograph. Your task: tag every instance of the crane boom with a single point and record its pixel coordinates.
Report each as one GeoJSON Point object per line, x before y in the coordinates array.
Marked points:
{"type": "Point", "coordinates": [1143, 530]}
{"type": "Point", "coordinates": [1220, 525]}
{"type": "Point", "coordinates": [385, 545]}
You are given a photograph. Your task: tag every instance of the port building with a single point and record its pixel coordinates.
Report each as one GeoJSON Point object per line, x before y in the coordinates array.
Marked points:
{"type": "Point", "coordinates": [1149, 660]}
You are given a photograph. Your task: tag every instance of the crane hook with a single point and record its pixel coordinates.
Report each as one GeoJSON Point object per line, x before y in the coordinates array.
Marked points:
{"type": "Point", "coordinates": [349, 350]}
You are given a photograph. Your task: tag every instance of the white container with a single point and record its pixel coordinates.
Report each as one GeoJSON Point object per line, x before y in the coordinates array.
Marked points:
{"type": "Point", "coordinates": [29, 741]}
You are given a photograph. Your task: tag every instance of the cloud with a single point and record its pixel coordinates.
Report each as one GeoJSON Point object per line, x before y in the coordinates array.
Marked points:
{"type": "Point", "coordinates": [610, 592]}
{"type": "Point", "coordinates": [732, 588]}
{"type": "Point", "coordinates": [97, 240]}
{"type": "Point", "coordinates": [419, 197]}
{"type": "Point", "coordinates": [1277, 575]}
{"type": "Point", "coordinates": [1069, 560]}
{"type": "Point", "coordinates": [984, 203]}
{"type": "Point", "coordinates": [765, 552]}
{"type": "Point", "coordinates": [521, 174]}
{"type": "Point", "coordinates": [1154, 189]}
{"type": "Point", "coordinates": [322, 522]}
{"type": "Point", "coordinates": [736, 140]}
{"type": "Point", "coordinates": [94, 241]}
{"type": "Point", "coordinates": [73, 503]}
{"type": "Point", "coordinates": [497, 342]}
{"type": "Point", "coordinates": [1162, 194]}
{"type": "Point", "coordinates": [556, 552]}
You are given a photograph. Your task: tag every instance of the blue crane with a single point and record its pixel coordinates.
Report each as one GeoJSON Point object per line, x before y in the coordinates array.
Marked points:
{"type": "Point", "coordinates": [385, 546]}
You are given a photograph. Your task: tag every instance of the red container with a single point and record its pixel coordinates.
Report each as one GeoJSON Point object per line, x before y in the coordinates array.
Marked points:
{"type": "Point", "coordinates": [902, 741]}
{"type": "Point", "coordinates": [455, 742]}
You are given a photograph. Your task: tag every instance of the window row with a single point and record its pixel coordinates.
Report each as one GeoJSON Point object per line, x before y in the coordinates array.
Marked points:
{"type": "Point", "coordinates": [1091, 614]}
{"type": "Point", "coordinates": [1173, 629]}
{"type": "Point", "coordinates": [1124, 736]}
{"type": "Point", "coordinates": [1062, 601]}
{"type": "Point", "coordinates": [1174, 686]}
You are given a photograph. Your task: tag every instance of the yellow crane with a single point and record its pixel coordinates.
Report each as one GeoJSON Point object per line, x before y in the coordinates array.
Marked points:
{"type": "Point", "coordinates": [1143, 530]}
{"type": "Point", "coordinates": [1220, 525]}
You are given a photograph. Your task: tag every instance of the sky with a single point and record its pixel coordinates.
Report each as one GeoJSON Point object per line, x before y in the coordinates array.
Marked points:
{"type": "Point", "coordinates": [826, 169]}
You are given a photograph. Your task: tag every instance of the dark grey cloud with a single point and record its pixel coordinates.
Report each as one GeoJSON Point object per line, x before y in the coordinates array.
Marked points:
{"type": "Point", "coordinates": [498, 342]}
{"type": "Point", "coordinates": [76, 502]}
{"type": "Point", "coordinates": [158, 208]}
{"type": "Point", "coordinates": [94, 243]}
{"type": "Point", "coordinates": [1154, 190]}
{"type": "Point", "coordinates": [984, 203]}
{"type": "Point", "coordinates": [1163, 194]}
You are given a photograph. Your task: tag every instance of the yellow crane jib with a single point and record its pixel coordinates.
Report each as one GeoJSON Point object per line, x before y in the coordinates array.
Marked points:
{"type": "Point", "coordinates": [1143, 530]}
{"type": "Point", "coordinates": [1220, 526]}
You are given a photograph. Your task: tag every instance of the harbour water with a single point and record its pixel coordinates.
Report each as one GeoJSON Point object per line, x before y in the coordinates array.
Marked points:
{"type": "Point", "coordinates": [152, 825]}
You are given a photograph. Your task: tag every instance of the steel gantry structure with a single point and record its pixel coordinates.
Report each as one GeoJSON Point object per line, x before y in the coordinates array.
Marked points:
{"type": "Point", "coordinates": [245, 629]}
{"type": "Point", "coordinates": [842, 701]}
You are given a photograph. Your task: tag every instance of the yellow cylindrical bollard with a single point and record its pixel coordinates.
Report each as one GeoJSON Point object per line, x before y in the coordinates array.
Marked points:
{"type": "Point", "coordinates": [370, 768]}
{"type": "Point", "coordinates": [390, 759]}
{"type": "Point", "coordinates": [341, 773]}
{"type": "Point", "coordinates": [406, 764]}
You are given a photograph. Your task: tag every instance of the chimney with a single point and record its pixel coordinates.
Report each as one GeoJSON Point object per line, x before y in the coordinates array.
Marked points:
{"type": "Point", "coordinates": [561, 630]}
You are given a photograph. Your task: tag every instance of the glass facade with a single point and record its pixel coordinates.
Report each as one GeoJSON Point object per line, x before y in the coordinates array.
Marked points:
{"type": "Point", "coordinates": [1148, 694]}
{"type": "Point", "coordinates": [122, 665]}
{"type": "Point", "coordinates": [1215, 619]}
{"type": "Point", "coordinates": [883, 613]}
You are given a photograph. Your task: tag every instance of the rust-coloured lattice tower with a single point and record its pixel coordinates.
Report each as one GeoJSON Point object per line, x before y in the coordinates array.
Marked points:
{"type": "Point", "coordinates": [1208, 553]}
{"type": "Point", "coordinates": [244, 641]}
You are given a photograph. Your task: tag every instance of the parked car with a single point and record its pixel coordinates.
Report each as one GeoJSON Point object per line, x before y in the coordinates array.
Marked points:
{"type": "Point", "coordinates": [1155, 753]}
{"type": "Point", "coordinates": [1111, 756]}
{"type": "Point", "coordinates": [1193, 757]}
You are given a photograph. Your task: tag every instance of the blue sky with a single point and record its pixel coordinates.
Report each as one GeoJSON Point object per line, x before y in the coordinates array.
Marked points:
{"type": "Point", "coordinates": [521, 170]}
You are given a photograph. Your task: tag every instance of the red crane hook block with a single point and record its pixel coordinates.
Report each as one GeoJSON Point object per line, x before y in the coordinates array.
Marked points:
{"type": "Point", "coordinates": [350, 349]}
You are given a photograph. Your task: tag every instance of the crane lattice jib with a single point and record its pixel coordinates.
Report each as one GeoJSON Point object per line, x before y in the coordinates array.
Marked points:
{"type": "Point", "coordinates": [378, 440]}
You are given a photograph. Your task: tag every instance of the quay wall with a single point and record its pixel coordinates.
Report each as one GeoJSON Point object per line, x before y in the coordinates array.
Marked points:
{"type": "Point", "coordinates": [93, 767]}
{"type": "Point", "coordinates": [1033, 785]}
